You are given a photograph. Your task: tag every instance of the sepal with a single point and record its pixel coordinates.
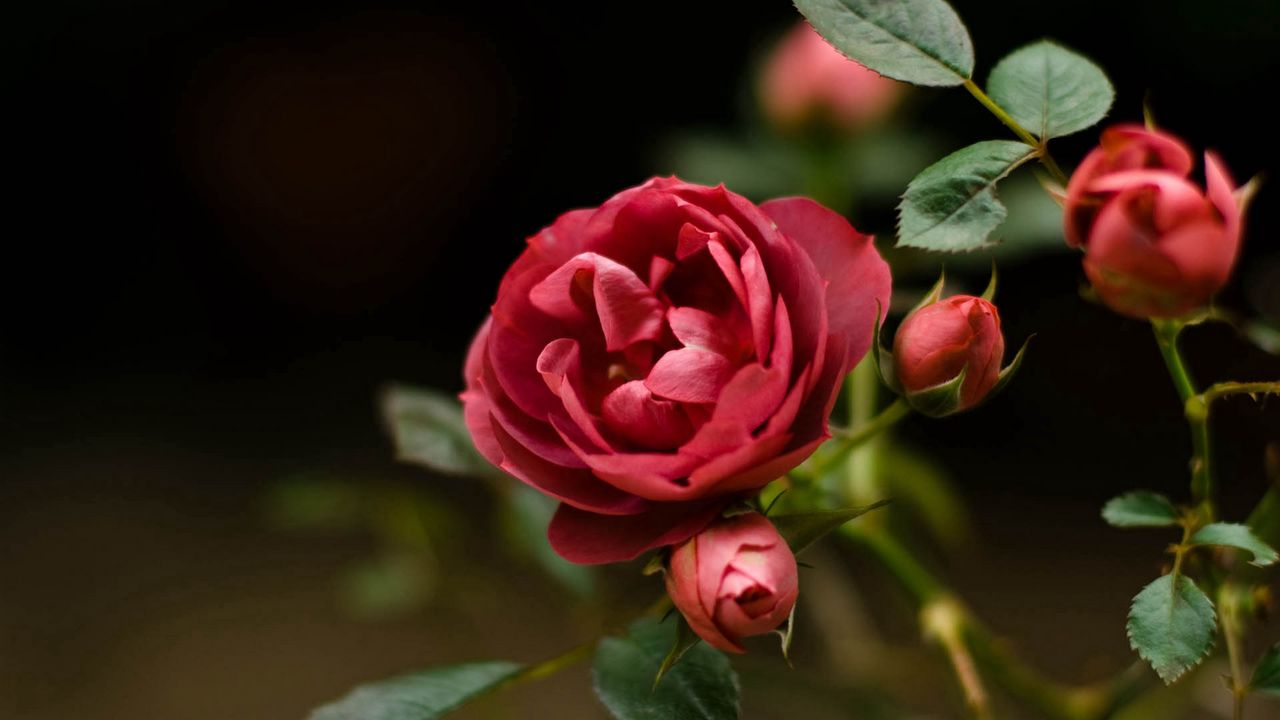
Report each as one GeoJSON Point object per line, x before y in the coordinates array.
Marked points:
{"type": "Point", "coordinates": [686, 638]}
{"type": "Point", "coordinates": [939, 400]}
{"type": "Point", "coordinates": [882, 358]}
{"type": "Point", "coordinates": [1006, 375]}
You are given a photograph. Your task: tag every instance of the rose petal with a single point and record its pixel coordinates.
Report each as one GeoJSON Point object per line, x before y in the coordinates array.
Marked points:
{"type": "Point", "coordinates": [535, 435]}
{"type": "Point", "coordinates": [858, 278]}
{"type": "Point", "coordinates": [628, 310]}
{"type": "Point", "coordinates": [690, 375]}
{"type": "Point", "coordinates": [588, 538]}
{"type": "Point", "coordinates": [696, 328]}
{"type": "Point", "coordinates": [1174, 200]}
{"type": "Point", "coordinates": [682, 586]}
{"type": "Point", "coordinates": [633, 412]}
{"type": "Point", "coordinates": [1129, 147]}
{"type": "Point", "coordinates": [577, 487]}
{"type": "Point", "coordinates": [732, 272]}
{"type": "Point", "coordinates": [759, 301]}
{"type": "Point", "coordinates": [560, 365]}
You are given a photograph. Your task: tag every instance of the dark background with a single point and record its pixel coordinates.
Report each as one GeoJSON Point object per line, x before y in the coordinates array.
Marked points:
{"type": "Point", "coordinates": [227, 225]}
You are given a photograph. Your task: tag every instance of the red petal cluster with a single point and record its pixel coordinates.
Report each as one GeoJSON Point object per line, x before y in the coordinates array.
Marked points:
{"type": "Point", "coordinates": [1156, 244]}
{"type": "Point", "coordinates": [649, 361]}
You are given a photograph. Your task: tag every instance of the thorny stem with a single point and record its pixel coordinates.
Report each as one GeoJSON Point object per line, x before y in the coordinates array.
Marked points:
{"type": "Point", "coordinates": [1224, 389]}
{"type": "Point", "coordinates": [983, 649]}
{"type": "Point", "coordinates": [1023, 134]}
{"type": "Point", "coordinates": [1196, 410]}
{"type": "Point", "coordinates": [943, 620]}
{"type": "Point", "coordinates": [1180, 552]}
{"type": "Point", "coordinates": [1229, 607]}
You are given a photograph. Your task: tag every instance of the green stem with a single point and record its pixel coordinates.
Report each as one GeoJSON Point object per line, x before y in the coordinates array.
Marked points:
{"type": "Point", "coordinates": [1223, 389]}
{"type": "Point", "coordinates": [915, 578]}
{"type": "Point", "coordinates": [1167, 332]}
{"type": "Point", "coordinates": [1229, 615]}
{"type": "Point", "coordinates": [864, 386]}
{"type": "Point", "coordinates": [550, 667]}
{"type": "Point", "coordinates": [847, 440]}
{"type": "Point", "coordinates": [575, 654]}
{"type": "Point", "coordinates": [1196, 410]}
{"type": "Point", "coordinates": [1050, 698]}
{"type": "Point", "coordinates": [1023, 134]}
{"type": "Point", "coordinates": [943, 620]}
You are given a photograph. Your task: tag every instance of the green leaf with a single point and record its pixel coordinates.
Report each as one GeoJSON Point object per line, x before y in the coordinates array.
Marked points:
{"type": "Point", "coordinates": [1051, 90]}
{"type": "Point", "coordinates": [428, 430]}
{"type": "Point", "coordinates": [702, 686]}
{"type": "Point", "coordinates": [1236, 536]}
{"type": "Point", "coordinates": [1266, 676]}
{"type": "Point", "coordinates": [1140, 508]}
{"type": "Point", "coordinates": [1172, 629]}
{"type": "Point", "coordinates": [801, 530]}
{"type": "Point", "coordinates": [952, 205]}
{"type": "Point", "coordinates": [917, 41]}
{"type": "Point", "coordinates": [420, 696]}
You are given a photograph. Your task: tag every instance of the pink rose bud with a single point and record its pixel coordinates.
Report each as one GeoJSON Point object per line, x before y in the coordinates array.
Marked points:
{"type": "Point", "coordinates": [733, 580]}
{"type": "Point", "coordinates": [807, 80]}
{"type": "Point", "coordinates": [939, 341]}
{"type": "Point", "coordinates": [1156, 244]}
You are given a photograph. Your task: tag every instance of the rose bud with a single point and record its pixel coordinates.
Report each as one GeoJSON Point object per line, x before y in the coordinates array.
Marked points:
{"type": "Point", "coordinates": [1156, 245]}
{"type": "Point", "coordinates": [651, 361]}
{"type": "Point", "coordinates": [938, 342]}
{"type": "Point", "coordinates": [733, 580]}
{"type": "Point", "coordinates": [806, 80]}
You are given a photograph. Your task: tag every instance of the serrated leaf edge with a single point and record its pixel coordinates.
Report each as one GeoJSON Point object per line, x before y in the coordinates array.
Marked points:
{"type": "Point", "coordinates": [1032, 152]}
{"type": "Point", "coordinates": [1213, 640]}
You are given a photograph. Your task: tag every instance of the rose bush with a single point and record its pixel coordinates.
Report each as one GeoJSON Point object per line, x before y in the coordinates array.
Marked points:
{"type": "Point", "coordinates": [1155, 244]}
{"type": "Point", "coordinates": [733, 580]}
{"type": "Point", "coordinates": [940, 340]}
{"type": "Point", "coordinates": [806, 80]}
{"type": "Point", "coordinates": [650, 361]}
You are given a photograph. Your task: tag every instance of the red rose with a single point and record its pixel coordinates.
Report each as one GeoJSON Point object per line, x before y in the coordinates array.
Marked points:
{"type": "Point", "coordinates": [1155, 244]}
{"type": "Point", "coordinates": [733, 580]}
{"type": "Point", "coordinates": [651, 360]}
{"type": "Point", "coordinates": [806, 79]}
{"type": "Point", "coordinates": [938, 341]}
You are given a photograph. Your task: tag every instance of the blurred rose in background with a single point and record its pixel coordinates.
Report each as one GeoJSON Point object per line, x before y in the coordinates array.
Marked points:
{"type": "Point", "coordinates": [806, 81]}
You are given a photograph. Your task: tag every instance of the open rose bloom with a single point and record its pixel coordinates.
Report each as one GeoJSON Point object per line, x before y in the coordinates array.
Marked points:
{"type": "Point", "coordinates": [734, 580]}
{"type": "Point", "coordinates": [1156, 244]}
{"type": "Point", "coordinates": [650, 361]}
